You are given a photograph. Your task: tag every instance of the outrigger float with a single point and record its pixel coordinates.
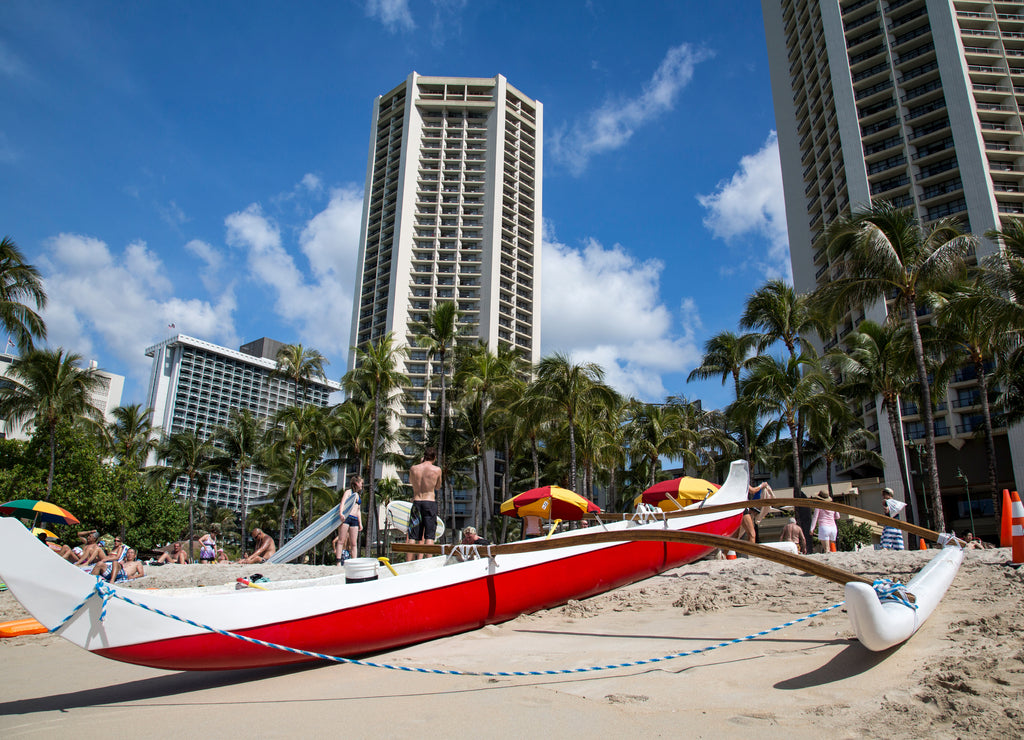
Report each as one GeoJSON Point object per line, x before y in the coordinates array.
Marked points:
{"type": "Point", "coordinates": [460, 589]}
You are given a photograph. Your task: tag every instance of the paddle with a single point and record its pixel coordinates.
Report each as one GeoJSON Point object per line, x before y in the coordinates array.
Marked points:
{"type": "Point", "coordinates": [878, 518]}
{"type": "Point", "coordinates": [822, 570]}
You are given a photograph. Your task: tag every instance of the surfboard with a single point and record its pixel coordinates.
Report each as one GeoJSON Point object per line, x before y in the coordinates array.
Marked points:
{"type": "Point", "coordinates": [398, 513]}
{"type": "Point", "coordinates": [21, 627]}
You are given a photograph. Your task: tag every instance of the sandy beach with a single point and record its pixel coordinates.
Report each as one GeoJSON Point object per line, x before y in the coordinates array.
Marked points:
{"type": "Point", "coordinates": [962, 675]}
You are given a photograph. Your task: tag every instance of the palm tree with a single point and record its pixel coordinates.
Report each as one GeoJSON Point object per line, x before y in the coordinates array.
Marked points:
{"type": "Point", "coordinates": [1003, 274]}
{"type": "Point", "coordinates": [481, 373]}
{"type": "Point", "coordinates": [297, 477]}
{"type": "Point", "coordinates": [297, 437]}
{"type": "Point", "coordinates": [299, 365]}
{"type": "Point", "coordinates": [131, 436]}
{"type": "Point", "coordinates": [241, 447]}
{"type": "Point", "coordinates": [653, 431]}
{"type": "Point", "coordinates": [437, 334]}
{"type": "Point", "coordinates": [727, 355]}
{"type": "Point", "coordinates": [884, 251]}
{"type": "Point", "coordinates": [879, 361]}
{"type": "Point", "coordinates": [376, 377]}
{"type": "Point", "coordinates": [787, 389]}
{"type": "Point", "coordinates": [779, 313]}
{"type": "Point", "coordinates": [567, 388]}
{"type": "Point", "coordinates": [189, 455]}
{"type": "Point", "coordinates": [20, 284]}
{"type": "Point", "coordinates": [837, 436]}
{"type": "Point", "coordinates": [351, 431]}
{"type": "Point", "coordinates": [967, 328]}
{"type": "Point", "coordinates": [47, 387]}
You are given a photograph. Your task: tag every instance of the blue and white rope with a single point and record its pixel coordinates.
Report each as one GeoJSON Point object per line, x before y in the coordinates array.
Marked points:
{"type": "Point", "coordinates": [104, 591]}
{"type": "Point", "coordinates": [889, 590]}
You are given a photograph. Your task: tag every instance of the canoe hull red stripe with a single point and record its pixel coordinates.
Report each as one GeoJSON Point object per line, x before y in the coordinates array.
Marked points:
{"type": "Point", "coordinates": [427, 614]}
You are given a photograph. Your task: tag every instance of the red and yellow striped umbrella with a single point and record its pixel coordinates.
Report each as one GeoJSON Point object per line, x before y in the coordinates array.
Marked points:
{"type": "Point", "coordinates": [549, 502]}
{"type": "Point", "coordinates": [674, 494]}
{"type": "Point", "coordinates": [38, 511]}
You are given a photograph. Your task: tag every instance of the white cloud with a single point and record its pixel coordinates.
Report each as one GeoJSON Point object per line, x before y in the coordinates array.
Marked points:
{"type": "Point", "coordinates": [751, 204]}
{"type": "Point", "coordinates": [213, 260]}
{"type": "Point", "coordinates": [603, 305]}
{"type": "Point", "coordinates": [612, 125]}
{"type": "Point", "coordinates": [394, 14]}
{"type": "Point", "coordinates": [319, 306]}
{"type": "Point", "coordinates": [122, 302]}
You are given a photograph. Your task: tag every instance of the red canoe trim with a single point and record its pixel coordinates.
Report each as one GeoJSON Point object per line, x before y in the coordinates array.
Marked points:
{"type": "Point", "coordinates": [427, 614]}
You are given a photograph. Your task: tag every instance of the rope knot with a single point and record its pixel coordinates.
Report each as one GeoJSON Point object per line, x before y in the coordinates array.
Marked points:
{"type": "Point", "coordinates": [889, 590]}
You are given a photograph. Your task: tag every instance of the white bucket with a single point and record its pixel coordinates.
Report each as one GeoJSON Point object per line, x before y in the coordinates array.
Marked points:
{"type": "Point", "coordinates": [358, 570]}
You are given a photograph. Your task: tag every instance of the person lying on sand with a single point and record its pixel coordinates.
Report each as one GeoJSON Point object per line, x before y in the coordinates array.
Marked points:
{"type": "Point", "coordinates": [63, 550]}
{"type": "Point", "coordinates": [176, 555]}
{"type": "Point", "coordinates": [117, 571]}
{"type": "Point", "coordinates": [92, 551]}
{"type": "Point", "coordinates": [265, 547]}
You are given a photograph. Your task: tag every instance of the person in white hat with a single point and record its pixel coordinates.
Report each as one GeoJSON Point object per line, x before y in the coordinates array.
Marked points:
{"type": "Point", "coordinates": [892, 537]}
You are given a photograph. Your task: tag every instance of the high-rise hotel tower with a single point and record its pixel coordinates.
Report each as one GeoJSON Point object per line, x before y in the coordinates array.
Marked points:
{"type": "Point", "coordinates": [452, 212]}
{"type": "Point", "coordinates": [917, 102]}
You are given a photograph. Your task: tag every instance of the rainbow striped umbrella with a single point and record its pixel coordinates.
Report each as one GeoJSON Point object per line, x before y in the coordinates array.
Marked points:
{"type": "Point", "coordinates": [40, 511]}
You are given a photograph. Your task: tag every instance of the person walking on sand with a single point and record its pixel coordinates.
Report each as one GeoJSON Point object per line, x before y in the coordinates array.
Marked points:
{"type": "Point", "coordinates": [892, 537]}
{"type": "Point", "coordinates": [425, 479]}
{"type": "Point", "coordinates": [347, 541]}
{"type": "Point", "coordinates": [827, 524]}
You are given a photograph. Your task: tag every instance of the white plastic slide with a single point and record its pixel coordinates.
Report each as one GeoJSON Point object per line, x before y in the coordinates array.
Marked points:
{"type": "Point", "coordinates": [308, 538]}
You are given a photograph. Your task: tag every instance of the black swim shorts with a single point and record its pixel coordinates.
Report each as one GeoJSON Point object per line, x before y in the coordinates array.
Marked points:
{"type": "Point", "coordinates": [426, 527]}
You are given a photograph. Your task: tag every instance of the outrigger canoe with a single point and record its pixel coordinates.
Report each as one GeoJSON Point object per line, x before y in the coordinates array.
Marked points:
{"type": "Point", "coordinates": [425, 599]}
{"type": "Point", "coordinates": [420, 600]}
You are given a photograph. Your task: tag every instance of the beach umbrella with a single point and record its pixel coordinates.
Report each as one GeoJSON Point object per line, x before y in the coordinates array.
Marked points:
{"type": "Point", "coordinates": [36, 531]}
{"type": "Point", "coordinates": [674, 494]}
{"type": "Point", "coordinates": [549, 502]}
{"type": "Point", "coordinates": [38, 511]}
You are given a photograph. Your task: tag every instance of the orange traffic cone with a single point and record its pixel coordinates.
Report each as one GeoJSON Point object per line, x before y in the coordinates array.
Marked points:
{"type": "Point", "coordinates": [1017, 510]}
{"type": "Point", "coordinates": [1006, 528]}
{"type": "Point", "coordinates": [832, 546]}
{"type": "Point", "coordinates": [923, 545]}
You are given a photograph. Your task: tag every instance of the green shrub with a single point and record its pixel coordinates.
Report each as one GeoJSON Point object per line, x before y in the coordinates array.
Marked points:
{"type": "Point", "coordinates": [852, 534]}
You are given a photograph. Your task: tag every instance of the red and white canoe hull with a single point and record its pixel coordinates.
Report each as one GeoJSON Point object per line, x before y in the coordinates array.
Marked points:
{"type": "Point", "coordinates": [428, 598]}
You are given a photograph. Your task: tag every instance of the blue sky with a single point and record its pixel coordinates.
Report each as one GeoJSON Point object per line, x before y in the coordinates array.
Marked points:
{"type": "Point", "coordinates": [202, 164]}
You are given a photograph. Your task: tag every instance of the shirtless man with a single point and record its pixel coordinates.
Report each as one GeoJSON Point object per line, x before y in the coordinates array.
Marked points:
{"type": "Point", "coordinates": [176, 555]}
{"type": "Point", "coordinates": [117, 570]}
{"type": "Point", "coordinates": [92, 551]}
{"type": "Point", "coordinates": [425, 479]}
{"type": "Point", "coordinates": [265, 547]}
{"type": "Point", "coordinates": [792, 533]}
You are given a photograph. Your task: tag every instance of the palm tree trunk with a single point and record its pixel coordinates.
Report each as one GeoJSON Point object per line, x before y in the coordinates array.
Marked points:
{"type": "Point", "coordinates": [939, 523]}
{"type": "Point", "coordinates": [242, 480]}
{"type": "Point", "coordinates": [53, 458]}
{"type": "Point", "coordinates": [572, 454]}
{"type": "Point", "coordinates": [746, 437]}
{"type": "Point", "coordinates": [990, 443]}
{"type": "Point", "coordinates": [191, 519]}
{"type": "Point", "coordinates": [372, 534]}
{"type": "Point", "coordinates": [895, 428]}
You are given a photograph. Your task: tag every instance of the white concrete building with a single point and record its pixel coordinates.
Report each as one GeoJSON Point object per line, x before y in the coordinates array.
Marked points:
{"type": "Point", "coordinates": [917, 102]}
{"type": "Point", "coordinates": [452, 212]}
{"type": "Point", "coordinates": [106, 398]}
{"type": "Point", "coordinates": [195, 385]}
